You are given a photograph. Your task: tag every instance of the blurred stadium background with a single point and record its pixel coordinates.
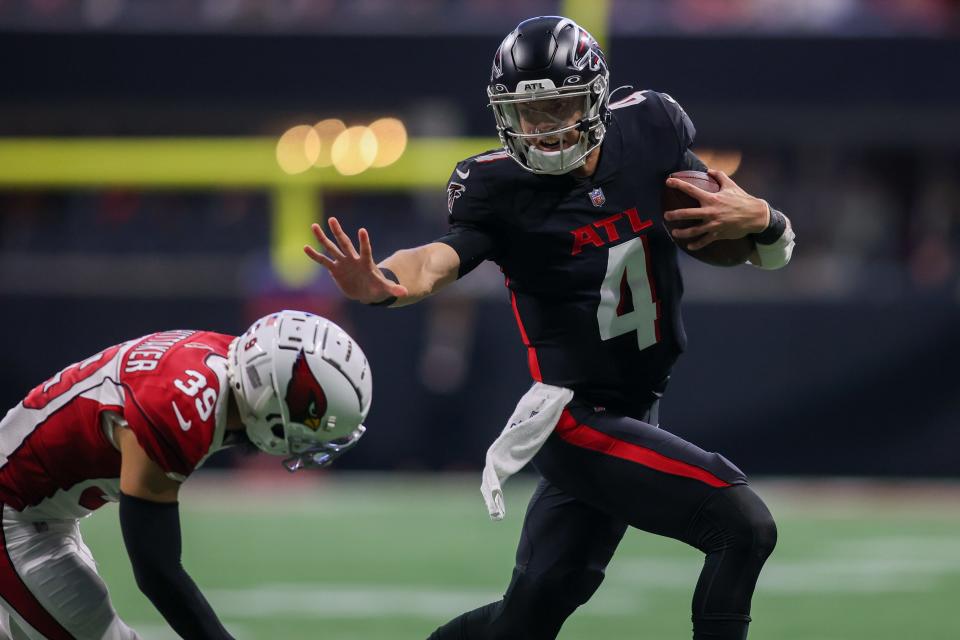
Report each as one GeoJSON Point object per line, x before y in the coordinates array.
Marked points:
{"type": "Point", "coordinates": [160, 164]}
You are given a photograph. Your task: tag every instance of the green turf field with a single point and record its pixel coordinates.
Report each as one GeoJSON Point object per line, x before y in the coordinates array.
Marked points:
{"type": "Point", "coordinates": [357, 558]}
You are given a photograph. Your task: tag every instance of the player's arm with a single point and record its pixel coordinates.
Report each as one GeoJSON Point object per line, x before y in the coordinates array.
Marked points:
{"type": "Point", "coordinates": [423, 270]}
{"type": "Point", "coordinates": [150, 523]}
{"type": "Point", "coordinates": [405, 277]}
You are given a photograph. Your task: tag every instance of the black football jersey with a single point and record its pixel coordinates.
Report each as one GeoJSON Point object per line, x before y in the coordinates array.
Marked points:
{"type": "Point", "coordinates": [591, 270]}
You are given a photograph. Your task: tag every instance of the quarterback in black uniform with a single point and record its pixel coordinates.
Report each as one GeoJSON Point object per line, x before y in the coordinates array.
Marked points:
{"type": "Point", "coordinates": [570, 210]}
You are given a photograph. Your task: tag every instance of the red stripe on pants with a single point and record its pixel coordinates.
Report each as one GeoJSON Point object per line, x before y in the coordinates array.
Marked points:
{"type": "Point", "coordinates": [16, 593]}
{"type": "Point", "coordinates": [587, 437]}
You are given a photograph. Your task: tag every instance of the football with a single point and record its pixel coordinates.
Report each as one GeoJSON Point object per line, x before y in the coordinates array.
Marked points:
{"type": "Point", "coordinates": [720, 253]}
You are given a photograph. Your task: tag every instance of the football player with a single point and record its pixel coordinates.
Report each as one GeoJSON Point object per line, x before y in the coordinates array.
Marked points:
{"type": "Point", "coordinates": [570, 210]}
{"type": "Point", "coordinates": [130, 424]}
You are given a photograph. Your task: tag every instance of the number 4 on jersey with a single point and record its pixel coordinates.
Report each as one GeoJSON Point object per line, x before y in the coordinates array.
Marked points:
{"type": "Point", "coordinates": [627, 299]}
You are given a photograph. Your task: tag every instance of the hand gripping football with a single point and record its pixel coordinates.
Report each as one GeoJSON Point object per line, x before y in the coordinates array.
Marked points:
{"type": "Point", "coordinates": [720, 253]}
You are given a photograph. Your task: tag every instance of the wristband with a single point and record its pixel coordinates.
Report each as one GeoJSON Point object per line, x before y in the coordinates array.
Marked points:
{"type": "Point", "coordinates": [389, 275]}
{"type": "Point", "coordinates": [775, 228]}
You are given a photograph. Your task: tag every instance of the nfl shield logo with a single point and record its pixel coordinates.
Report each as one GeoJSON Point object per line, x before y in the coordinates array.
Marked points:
{"type": "Point", "coordinates": [597, 197]}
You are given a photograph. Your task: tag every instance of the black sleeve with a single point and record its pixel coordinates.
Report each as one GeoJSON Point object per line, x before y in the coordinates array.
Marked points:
{"type": "Point", "coordinates": [473, 230]}
{"type": "Point", "coordinates": [682, 124]}
{"type": "Point", "coordinates": [151, 533]}
{"type": "Point", "coordinates": [683, 131]}
{"type": "Point", "coordinates": [471, 243]}
{"type": "Point", "coordinates": [690, 162]}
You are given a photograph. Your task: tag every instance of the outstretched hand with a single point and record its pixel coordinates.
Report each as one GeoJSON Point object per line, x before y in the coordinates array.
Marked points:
{"type": "Point", "coordinates": [355, 273]}
{"type": "Point", "coordinates": [728, 214]}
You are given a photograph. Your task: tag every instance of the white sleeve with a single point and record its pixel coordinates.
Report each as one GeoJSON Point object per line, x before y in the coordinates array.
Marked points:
{"type": "Point", "coordinates": [776, 255]}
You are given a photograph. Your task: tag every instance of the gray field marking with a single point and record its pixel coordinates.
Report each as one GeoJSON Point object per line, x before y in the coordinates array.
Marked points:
{"type": "Point", "coordinates": [879, 565]}
{"type": "Point", "coordinates": [369, 601]}
{"type": "Point", "coordinates": [373, 494]}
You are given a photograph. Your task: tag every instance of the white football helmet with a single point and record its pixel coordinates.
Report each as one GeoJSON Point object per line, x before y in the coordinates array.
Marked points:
{"type": "Point", "coordinates": [303, 387]}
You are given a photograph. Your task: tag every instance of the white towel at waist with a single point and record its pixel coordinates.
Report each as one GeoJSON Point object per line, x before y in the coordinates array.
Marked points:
{"type": "Point", "coordinates": [531, 424]}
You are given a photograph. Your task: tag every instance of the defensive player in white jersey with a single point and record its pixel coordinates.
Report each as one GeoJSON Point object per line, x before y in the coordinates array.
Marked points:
{"type": "Point", "coordinates": [128, 425]}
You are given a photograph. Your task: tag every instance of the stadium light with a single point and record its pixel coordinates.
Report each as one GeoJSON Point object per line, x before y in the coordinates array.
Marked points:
{"type": "Point", "coordinates": [726, 160]}
{"type": "Point", "coordinates": [391, 140]}
{"type": "Point", "coordinates": [297, 149]}
{"type": "Point", "coordinates": [327, 130]}
{"type": "Point", "coordinates": [354, 150]}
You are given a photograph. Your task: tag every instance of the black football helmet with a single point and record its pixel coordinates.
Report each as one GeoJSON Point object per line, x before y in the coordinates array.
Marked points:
{"type": "Point", "coordinates": [549, 89]}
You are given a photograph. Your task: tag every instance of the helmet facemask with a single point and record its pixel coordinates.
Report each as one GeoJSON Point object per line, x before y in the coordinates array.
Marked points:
{"type": "Point", "coordinates": [309, 454]}
{"type": "Point", "coordinates": [549, 130]}
{"type": "Point", "coordinates": [305, 448]}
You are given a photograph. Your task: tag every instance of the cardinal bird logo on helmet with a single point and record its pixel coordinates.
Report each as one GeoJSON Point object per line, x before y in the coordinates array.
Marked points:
{"type": "Point", "coordinates": [305, 398]}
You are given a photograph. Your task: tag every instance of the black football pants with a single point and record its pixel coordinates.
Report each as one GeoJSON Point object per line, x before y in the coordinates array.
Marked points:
{"type": "Point", "coordinates": [602, 472]}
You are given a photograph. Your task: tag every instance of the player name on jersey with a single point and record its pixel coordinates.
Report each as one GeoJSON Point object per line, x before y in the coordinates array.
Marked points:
{"type": "Point", "coordinates": [144, 356]}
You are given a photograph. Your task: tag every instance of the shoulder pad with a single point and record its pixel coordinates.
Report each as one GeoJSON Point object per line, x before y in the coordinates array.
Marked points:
{"type": "Point", "coordinates": [678, 117]}
{"type": "Point", "coordinates": [487, 157]}
{"type": "Point", "coordinates": [659, 110]}
{"type": "Point", "coordinates": [467, 189]}
{"type": "Point", "coordinates": [487, 162]}
{"type": "Point", "coordinates": [171, 402]}
{"type": "Point", "coordinates": [634, 98]}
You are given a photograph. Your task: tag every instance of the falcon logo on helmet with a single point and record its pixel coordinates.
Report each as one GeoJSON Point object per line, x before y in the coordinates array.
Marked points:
{"type": "Point", "coordinates": [305, 398]}
{"type": "Point", "coordinates": [549, 91]}
{"type": "Point", "coordinates": [497, 70]}
{"type": "Point", "coordinates": [584, 47]}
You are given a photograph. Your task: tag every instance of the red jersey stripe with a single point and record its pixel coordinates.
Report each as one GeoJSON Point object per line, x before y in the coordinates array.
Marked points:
{"type": "Point", "coordinates": [587, 437]}
{"type": "Point", "coordinates": [532, 360]}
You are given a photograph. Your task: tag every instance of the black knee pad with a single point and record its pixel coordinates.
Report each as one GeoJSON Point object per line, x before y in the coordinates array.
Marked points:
{"type": "Point", "coordinates": [735, 517]}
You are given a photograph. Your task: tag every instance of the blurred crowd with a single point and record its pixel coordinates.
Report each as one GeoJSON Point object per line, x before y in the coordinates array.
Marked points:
{"type": "Point", "coordinates": [822, 17]}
